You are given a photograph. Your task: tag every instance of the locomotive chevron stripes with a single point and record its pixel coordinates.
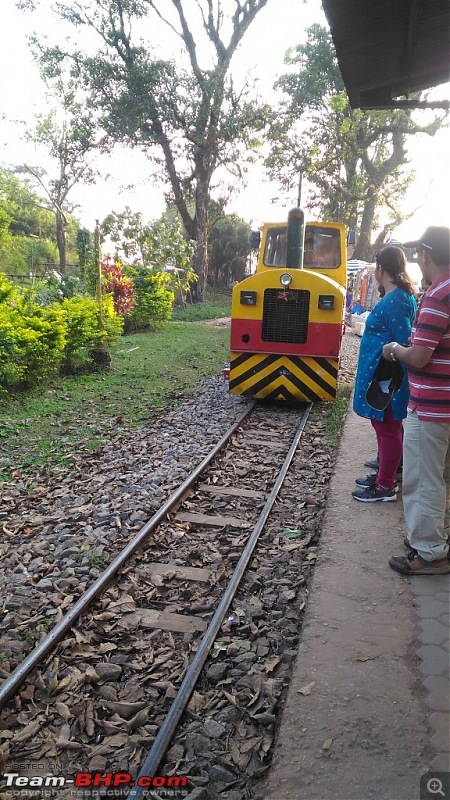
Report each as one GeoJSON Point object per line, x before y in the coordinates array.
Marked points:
{"type": "Point", "coordinates": [283, 377]}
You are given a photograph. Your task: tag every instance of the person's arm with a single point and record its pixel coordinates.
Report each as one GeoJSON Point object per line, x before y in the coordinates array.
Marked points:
{"type": "Point", "coordinates": [415, 356]}
{"type": "Point", "coordinates": [431, 324]}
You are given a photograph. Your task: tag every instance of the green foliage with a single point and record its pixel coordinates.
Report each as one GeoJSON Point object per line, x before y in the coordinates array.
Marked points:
{"type": "Point", "coordinates": [25, 209]}
{"type": "Point", "coordinates": [45, 334]}
{"type": "Point", "coordinates": [354, 161]}
{"type": "Point", "coordinates": [161, 245]}
{"type": "Point", "coordinates": [228, 248]}
{"type": "Point", "coordinates": [32, 341]}
{"type": "Point", "coordinates": [5, 222]}
{"type": "Point", "coordinates": [215, 306]}
{"type": "Point", "coordinates": [153, 301]}
{"type": "Point", "coordinates": [83, 332]}
{"type": "Point", "coordinates": [70, 135]}
{"type": "Point", "coordinates": [7, 289]}
{"type": "Point", "coordinates": [191, 116]}
{"type": "Point", "coordinates": [11, 371]}
{"type": "Point", "coordinates": [39, 336]}
{"type": "Point", "coordinates": [85, 247]}
{"type": "Point", "coordinates": [112, 323]}
{"type": "Point", "coordinates": [54, 289]}
{"type": "Point", "coordinates": [27, 235]}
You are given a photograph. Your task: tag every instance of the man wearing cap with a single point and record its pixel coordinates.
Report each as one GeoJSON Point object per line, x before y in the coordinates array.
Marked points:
{"type": "Point", "coordinates": [426, 455]}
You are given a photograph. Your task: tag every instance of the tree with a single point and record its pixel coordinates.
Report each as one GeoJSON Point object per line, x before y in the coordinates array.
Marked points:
{"type": "Point", "coordinates": [26, 228]}
{"type": "Point", "coordinates": [85, 247]}
{"type": "Point", "coordinates": [354, 161]}
{"type": "Point", "coordinates": [69, 135]}
{"type": "Point", "coordinates": [159, 244]}
{"type": "Point", "coordinates": [229, 248]}
{"type": "Point", "coordinates": [28, 215]}
{"type": "Point", "coordinates": [187, 114]}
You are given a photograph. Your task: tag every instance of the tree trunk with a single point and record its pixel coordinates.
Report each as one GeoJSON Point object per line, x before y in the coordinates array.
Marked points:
{"type": "Point", "coordinates": [201, 223]}
{"type": "Point", "coordinates": [201, 261]}
{"type": "Point", "coordinates": [61, 242]}
{"type": "Point", "coordinates": [363, 249]}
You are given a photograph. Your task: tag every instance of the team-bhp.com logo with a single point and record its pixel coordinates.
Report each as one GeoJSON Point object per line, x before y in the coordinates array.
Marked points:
{"type": "Point", "coordinates": [91, 780]}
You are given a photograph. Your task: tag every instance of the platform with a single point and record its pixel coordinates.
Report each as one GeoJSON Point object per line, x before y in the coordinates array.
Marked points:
{"type": "Point", "coordinates": [367, 715]}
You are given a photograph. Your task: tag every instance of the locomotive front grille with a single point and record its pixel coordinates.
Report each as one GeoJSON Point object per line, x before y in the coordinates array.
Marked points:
{"type": "Point", "coordinates": [285, 315]}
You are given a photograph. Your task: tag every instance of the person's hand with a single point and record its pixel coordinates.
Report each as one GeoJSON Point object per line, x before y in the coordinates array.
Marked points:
{"type": "Point", "coordinates": [388, 351]}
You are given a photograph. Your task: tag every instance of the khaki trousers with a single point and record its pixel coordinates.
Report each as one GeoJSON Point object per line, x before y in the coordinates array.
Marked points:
{"type": "Point", "coordinates": [426, 485]}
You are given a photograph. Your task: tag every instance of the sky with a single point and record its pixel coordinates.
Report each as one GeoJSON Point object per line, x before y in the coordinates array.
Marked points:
{"type": "Point", "coordinates": [280, 25]}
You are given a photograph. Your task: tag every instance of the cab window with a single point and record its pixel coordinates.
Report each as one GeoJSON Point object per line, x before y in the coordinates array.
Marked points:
{"type": "Point", "coordinates": [276, 247]}
{"type": "Point", "coordinates": [322, 248]}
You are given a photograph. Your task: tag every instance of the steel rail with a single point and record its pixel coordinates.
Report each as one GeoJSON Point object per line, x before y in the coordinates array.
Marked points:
{"type": "Point", "coordinates": [167, 729]}
{"type": "Point", "coordinates": [9, 687]}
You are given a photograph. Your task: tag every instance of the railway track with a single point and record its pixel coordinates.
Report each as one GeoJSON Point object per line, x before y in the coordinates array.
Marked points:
{"type": "Point", "coordinates": [112, 695]}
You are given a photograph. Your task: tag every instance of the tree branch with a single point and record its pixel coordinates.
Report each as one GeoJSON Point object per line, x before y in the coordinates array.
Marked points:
{"type": "Point", "coordinates": [42, 184]}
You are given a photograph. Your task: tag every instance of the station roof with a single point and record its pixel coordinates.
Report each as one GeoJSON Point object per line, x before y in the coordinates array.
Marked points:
{"type": "Point", "coordinates": [389, 48]}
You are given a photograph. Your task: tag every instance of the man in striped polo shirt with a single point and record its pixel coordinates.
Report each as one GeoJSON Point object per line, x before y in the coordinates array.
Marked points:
{"type": "Point", "coordinates": [426, 446]}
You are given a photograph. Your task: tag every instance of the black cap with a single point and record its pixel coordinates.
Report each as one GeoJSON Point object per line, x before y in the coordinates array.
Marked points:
{"type": "Point", "coordinates": [386, 370]}
{"type": "Point", "coordinates": [437, 241]}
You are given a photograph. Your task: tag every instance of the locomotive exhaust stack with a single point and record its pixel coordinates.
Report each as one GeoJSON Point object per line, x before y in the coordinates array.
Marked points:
{"type": "Point", "coordinates": [295, 239]}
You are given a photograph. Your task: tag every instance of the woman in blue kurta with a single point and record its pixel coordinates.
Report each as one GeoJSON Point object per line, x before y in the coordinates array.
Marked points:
{"type": "Point", "coordinates": [390, 320]}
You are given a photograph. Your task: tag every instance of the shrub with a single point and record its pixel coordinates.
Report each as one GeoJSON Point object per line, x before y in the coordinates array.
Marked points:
{"type": "Point", "coordinates": [112, 321]}
{"type": "Point", "coordinates": [7, 289]}
{"type": "Point", "coordinates": [32, 342]}
{"type": "Point", "coordinates": [84, 334]}
{"type": "Point", "coordinates": [120, 286]}
{"type": "Point", "coordinates": [153, 301]}
{"type": "Point", "coordinates": [11, 371]}
{"type": "Point", "coordinates": [38, 339]}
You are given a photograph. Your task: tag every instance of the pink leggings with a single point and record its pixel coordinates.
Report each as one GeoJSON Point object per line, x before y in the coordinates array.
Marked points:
{"type": "Point", "coordinates": [390, 446]}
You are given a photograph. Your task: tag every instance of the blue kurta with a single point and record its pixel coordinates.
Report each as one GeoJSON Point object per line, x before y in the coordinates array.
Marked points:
{"type": "Point", "coordinates": [390, 321]}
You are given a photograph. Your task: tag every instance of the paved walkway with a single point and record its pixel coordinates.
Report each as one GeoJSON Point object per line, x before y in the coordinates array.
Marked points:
{"type": "Point", "coordinates": [367, 714]}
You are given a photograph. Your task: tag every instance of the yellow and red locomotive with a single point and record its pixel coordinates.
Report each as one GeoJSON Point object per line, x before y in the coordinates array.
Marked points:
{"type": "Point", "coordinates": [287, 319]}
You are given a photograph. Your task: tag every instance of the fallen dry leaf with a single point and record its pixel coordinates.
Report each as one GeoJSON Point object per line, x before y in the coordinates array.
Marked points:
{"type": "Point", "coordinates": [307, 688]}
{"type": "Point", "coordinates": [271, 663]}
{"type": "Point", "coordinates": [27, 732]}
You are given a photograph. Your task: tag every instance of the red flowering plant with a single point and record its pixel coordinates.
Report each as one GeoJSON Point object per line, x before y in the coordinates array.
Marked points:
{"type": "Point", "coordinates": [117, 284]}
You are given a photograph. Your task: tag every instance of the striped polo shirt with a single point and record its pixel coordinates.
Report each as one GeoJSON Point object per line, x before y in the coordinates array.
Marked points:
{"type": "Point", "coordinates": [429, 387]}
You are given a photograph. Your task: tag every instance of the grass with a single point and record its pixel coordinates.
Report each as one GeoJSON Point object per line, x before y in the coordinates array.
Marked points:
{"type": "Point", "coordinates": [335, 418]}
{"type": "Point", "coordinates": [218, 304]}
{"type": "Point", "coordinates": [150, 371]}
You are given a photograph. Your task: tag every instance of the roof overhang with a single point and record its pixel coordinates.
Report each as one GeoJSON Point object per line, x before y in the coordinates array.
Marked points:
{"type": "Point", "coordinates": [388, 49]}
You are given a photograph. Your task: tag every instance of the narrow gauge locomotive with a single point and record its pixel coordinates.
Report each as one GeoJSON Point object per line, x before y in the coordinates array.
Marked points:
{"type": "Point", "coordinates": [287, 319]}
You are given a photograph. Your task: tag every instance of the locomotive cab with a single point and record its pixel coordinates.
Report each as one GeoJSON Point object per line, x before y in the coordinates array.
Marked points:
{"type": "Point", "coordinates": [287, 318]}
{"type": "Point", "coordinates": [322, 251]}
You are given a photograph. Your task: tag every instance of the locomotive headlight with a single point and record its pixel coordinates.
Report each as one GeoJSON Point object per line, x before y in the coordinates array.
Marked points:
{"type": "Point", "coordinates": [285, 279]}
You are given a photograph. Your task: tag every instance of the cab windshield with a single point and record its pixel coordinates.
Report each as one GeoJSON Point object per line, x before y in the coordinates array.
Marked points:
{"type": "Point", "coordinates": [322, 248]}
